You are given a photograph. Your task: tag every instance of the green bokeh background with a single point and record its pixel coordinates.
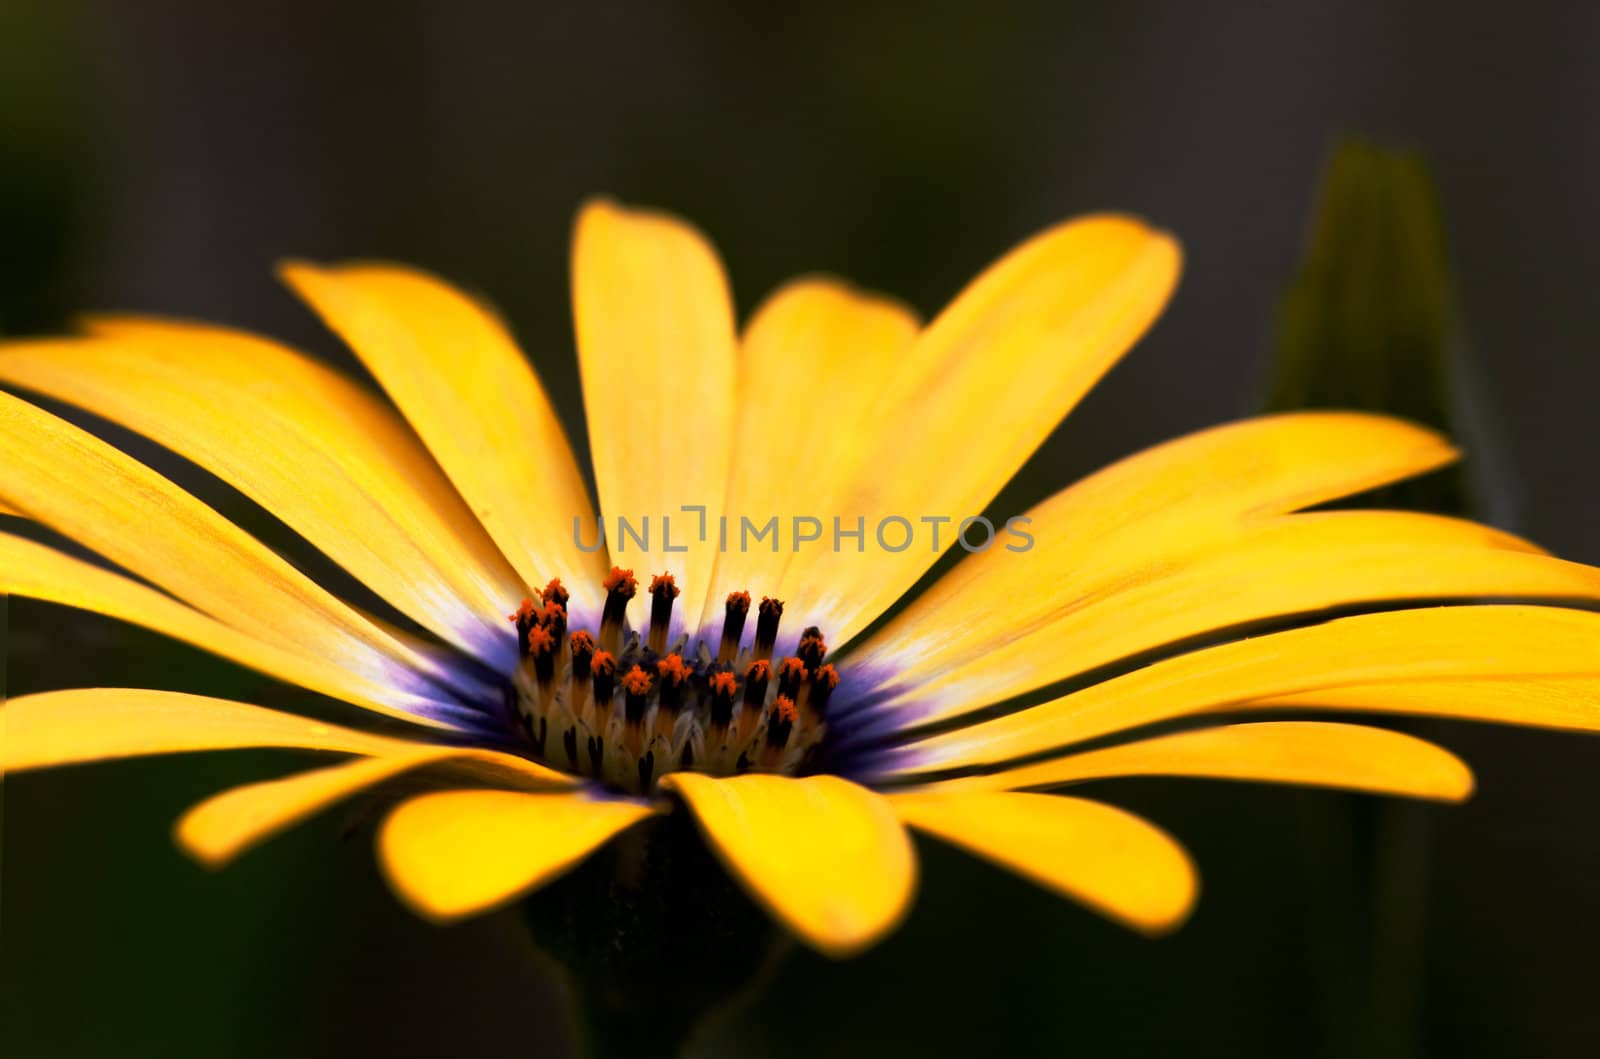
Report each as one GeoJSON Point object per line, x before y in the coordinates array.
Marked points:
{"type": "Point", "coordinates": [160, 156]}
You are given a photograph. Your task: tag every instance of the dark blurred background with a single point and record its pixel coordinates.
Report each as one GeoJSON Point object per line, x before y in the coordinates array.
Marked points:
{"type": "Point", "coordinates": [160, 156]}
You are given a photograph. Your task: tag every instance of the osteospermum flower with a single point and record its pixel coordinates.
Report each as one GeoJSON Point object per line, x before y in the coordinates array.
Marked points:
{"type": "Point", "coordinates": [1151, 619]}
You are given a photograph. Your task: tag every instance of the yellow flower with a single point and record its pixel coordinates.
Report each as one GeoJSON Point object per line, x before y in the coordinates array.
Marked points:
{"type": "Point", "coordinates": [1110, 631]}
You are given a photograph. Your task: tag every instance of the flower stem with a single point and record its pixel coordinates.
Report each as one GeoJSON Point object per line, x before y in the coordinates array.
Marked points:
{"type": "Point", "coordinates": [654, 937]}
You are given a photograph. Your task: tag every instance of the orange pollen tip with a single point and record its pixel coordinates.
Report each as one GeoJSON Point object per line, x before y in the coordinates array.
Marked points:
{"type": "Point", "coordinates": [524, 610]}
{"type": "Point", "coordinates": [759, 670]}
{"type": "Point", "coordinates": [582, 641]}
{"type": "Point", "coordinates": [739, 599]}
{"type": "Point", "coordinates": [672, 668]}
{"type": "Point", "coordinates": [723, 684]}
{"type": "Point", "coordinates": [636, 681]}
{"type": "Point", "coordinates": [539, 640]}
{"type": "Point", "coordinates": [828, 675]}
{"type": "Point", "coordinates": [620, 580]}
{"type": "Point", "coordinates": [664, 583]}
{"type": "Point", "coordinates": [555, 591]}
{"type": "Point", "coordinates": [783, 709]}
{"type": "Point", "coordinates": [791, 668]}
{"type": "Point", "coordinates": [552, 612]}
{"type": "Point", "coordinates": [768, 603]}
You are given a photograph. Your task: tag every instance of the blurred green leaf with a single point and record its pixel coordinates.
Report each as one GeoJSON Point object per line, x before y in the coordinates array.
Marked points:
{"type": "Point", "coordinates": [49, 137]}
{"type": "Point", "coordinates": [1371, 322]}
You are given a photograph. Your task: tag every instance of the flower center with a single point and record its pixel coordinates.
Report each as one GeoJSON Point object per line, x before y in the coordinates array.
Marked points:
{"type": "Point", "coordinates": [627, 710]}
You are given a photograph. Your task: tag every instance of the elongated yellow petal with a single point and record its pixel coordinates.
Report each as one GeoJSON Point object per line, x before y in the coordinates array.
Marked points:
{"type": "Point", "coordinates": [81, 725]}
{"type": "Point", "coordinates": [983, 386]}
{"type": "Point", "coordinates": [457, 853]}
{"type": "Point", "coordinates": [813, 364]}
{"type": "Point", "coordinates": [1172, 500]}
{"type": "Point", "coordinates": [1571, 703]}
{"type": "Point", "coordinates": [36, 571]}
{"type": "Point", "coordinates": [222, 827]}
{"type": "Point", "coordinates": [1117, 864]}
{"type": "Point", "coordinates": [87, 490]}
{"type": "Point", "coordinates": [314, 449]}
{"type": "Point", "coordinates": [655, 335]}
{"type": "Point", "coordinates": [459, 378]}
{"type": "Point", "coordinates": [1297, 565]}
{"type": "Point", "coordinates": [1310, 753]}
{"type": "Point", "coordinates": [827, 858]}
{"type": "Point", "coordinates": [1460, 644]}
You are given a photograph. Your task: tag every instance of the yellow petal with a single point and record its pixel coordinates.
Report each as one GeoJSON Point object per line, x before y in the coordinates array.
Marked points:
{"type": "Point", "coordinates": [985, 384]}
{"type": "Point", "coordinates": [311, 447]}
{"type": "Point", "coordinates": [813, 364]}
{"type": "Point", "coordinates": [1297, 565]}
{"type": "Point", "coordinates": [33, 570]}
{"type": "Point", "coordinates": [1310, 753]}
{"type": "Point", "coordinates": [1112, 861]}
{"type": "Point", "coordinates": [827, 858]}
{"type": "Point", "coordinates": [1171, 500]}
{"type": "Point", "coordinates": [87, 490]}
{"type": "Point", "coordinates": [53, 728]}
{"type": "Point", "coordinates": [459, 378]}
{"type": "Point", "coordinates": [655, 334]}
{"type": "Point", "coordinates": [453, 854]}
{"type": "Point", "coordinates": [1459, 644]}
{"type": "Point", "coordinates": [1571, 703]}
{"type": "Point", "coordinates": [220, 828]}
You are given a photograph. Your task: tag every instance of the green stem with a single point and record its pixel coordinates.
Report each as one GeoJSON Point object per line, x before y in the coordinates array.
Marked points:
{"type": "Point", "coordinates": [654, 937]}
{"type": "Point", "coordinates": [633, 1031]}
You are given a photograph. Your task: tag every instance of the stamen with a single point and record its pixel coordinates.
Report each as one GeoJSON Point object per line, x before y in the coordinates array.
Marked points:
{"type": "Point", "coordinates": [755, 683]}
{"type": "Point", "coordinates": [756, 679]}
{"type": "Point", "coordinates": [635, 700]}
{"type": "Point", "coordinates": [555, 592]}
{"type": "Point", "coordinates": [524, 616]}
{"type": "Point", "coordinates": [582, 658]}
{"type": "Point", "coordinates": [582, 644]}
{"type": "Point", "coordinates": [780, 723]}
{"type": "Point", "coordinates": [680, 705]}
{"type": "Point", "coordinates": [620, 586]}
{"type": "Point", "coordinates": [553, 616]}
{"type": "Point", "coordinates": [823, 681]}
{"type": "Point", "coordinates": [812, 705]}
{"type": "Point", "coordinates": [791, 671]}
{"type": "Point", "coordinates": [663, 590]}
{"type": "Point", "coordinates": [722, 688]}
{"type": "Point", "coordinates": [542, 649]}
{"type": "Point", "coordinates": [604, 668]}
{"type": "Point", "coordinates": [673, 674]}
{"type": "Point", "coordinates": [812, 648]}
{"type": "Point", "coordinates": [733, 627]}
{"type": "Point", "coordinates": [635, 695]}
{"type": "Point", "coordinates": [767, 626]}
